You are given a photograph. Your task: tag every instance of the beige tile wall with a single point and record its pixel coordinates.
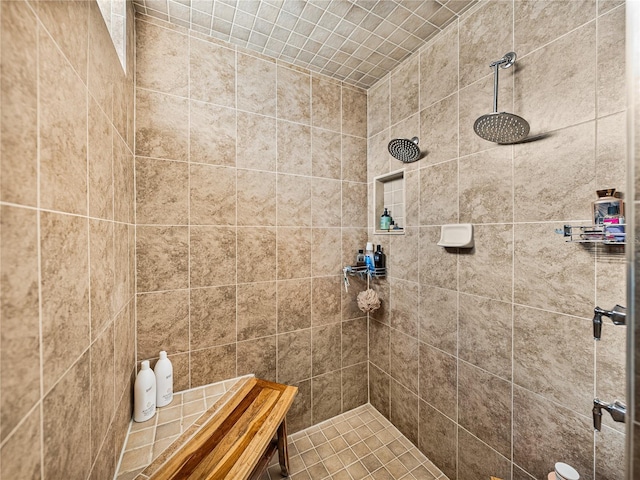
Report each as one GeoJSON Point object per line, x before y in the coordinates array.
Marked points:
{"type": "Point", "coordinates": [66, 242]}
{"type": "Point", "coordinates": [250, 197]}
{"type": "Point", "coordinates": [485, 358]}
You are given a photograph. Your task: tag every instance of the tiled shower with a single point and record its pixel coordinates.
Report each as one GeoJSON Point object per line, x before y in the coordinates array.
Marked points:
{"type": "Point", "coordinates": [205, 200]}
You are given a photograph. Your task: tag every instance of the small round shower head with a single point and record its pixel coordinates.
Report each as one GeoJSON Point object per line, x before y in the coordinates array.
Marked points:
{"type": "Point", "coordinates": [501, 127]}
{"type": "Point", "coordinates": [406, 151]}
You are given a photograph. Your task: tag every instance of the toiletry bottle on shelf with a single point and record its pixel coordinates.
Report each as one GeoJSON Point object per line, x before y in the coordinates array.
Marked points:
{"type": "Point", "coordinates": [369, 256]}
{"type": "Point", "coordinates": [164, 380]}
{"type": "Point", "coordinates": [607, 198]}
{"type": "Point", "coordinates": [144, 393]}
{"type": "Point", "coordinates": [385, 220]}
{"type": "Point", "coordinates": [379, 258]}
{"type": "Point", "coordinates": [360, 261]}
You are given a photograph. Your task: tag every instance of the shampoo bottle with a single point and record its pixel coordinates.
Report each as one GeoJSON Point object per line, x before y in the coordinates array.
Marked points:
{"type": "Point", "coordinates": [144, 393]}
{"type": "Point", "coordinates": [379, 258]}
{"type": "Point", "coordinates": [164, 380]}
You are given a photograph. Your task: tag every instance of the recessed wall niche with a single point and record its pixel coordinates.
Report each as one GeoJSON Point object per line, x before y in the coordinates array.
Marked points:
{"type": "Point", "coordinates": [389, 193]}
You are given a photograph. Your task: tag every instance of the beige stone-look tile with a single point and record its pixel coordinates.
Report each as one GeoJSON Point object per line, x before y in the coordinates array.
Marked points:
{"type": "Point", "coordinates": [446, 275]}
{"type": "Point", "coordinates": [104, 68]}
{"type": "Point", "coordinates": [404, 359]}
{"type": "Point", "coordinates": [382, 288]}
{"type": "Point", "coordinates": [354, 159]}
{"type": "Point", "coordinates": [610, 453]}
{"type": "Point", "coordinates": [439, 130]}
{"type": "Point", "coordinates": [123, 182]}
{"type": "Point", "coordinates": [124, 340]}
{"type": "Point", "coordinates": [439, 68]}
{"type": "Point", "coordinates": [162, 323]}
{"type": "Point", "coordinates": [477, 460]}
{"type": "Point", "coordinates": [100, 157]}
{"type": "Point", "coordinates": [124, 244]}
{"type": "Point", "coordinates": [519, 474]}
{"type": "Point", "coordinates": [485, 336]}
{"type": "Point", "coordinates": [379, 389]}
{"type": "Point", "coordinates": [325, 251]}
{"type": "Point", "coordinates": [563, 163]}
{"type": "Point", "coordinates": [258, 357]}
{"type": "Point", "coordinates": [538, 23]}
{"type": "Point", "coordinates": [294, 356]}
{"type": "Point", "coordinates": [439, 318]}
{"type": "Point", "coordinates": [293, 253]}
{"type": "Point", "coordinates": [353, 239]}
{"type": "Point", "coordinates": [256, 84]}
{"type": "Point", "coordinates": [181, 377]}
{"type": "Point", "coordinates": [486, 270]}
{"type": "Point", "coordinates": [212, 134]}
{"type": "Point", "coordinates": [162, 258]}
{"type": "Point", "coordinates": [605, 5]}
{"type": "Point", "coordinates": [354, 342]}
{"type": "Point", "coordinates": [212, 256]}
{"type": "Point", "coordinates": [62, 117]}
{"type": "Point", "coordinates": [355, 386]}
{"type": "Point", "coordinates": [404, 299]}
{"type": "Point", "coordinates": [19, 105]}
{"type": "Point", "coordinates": [354, 201]}
{"type": "Point", "coordinates": [162, 192]}
{"type": "Point", "coordinates": [350, 307]}
{"type": "Point", "coordinates": [476, 100]}
{"type": "Point", "coordinates": [326, 196]}
{"type": "Point", "coordinates": [378, 113]}
{"type": "Point", "coordinates": [325, 304]}
{"type": "Point", "coordinates": [405, 411]}
{"type": "Point", "coordinates": [294, 95]}
{"type": "Point", "coordinates": [438, 439]}
{"type": "Point", "coordinates": [404, 90]}
{"type": "Point", "coordinates": [212, 317]}
{"type": "Point", "coordinates": [326, 349]}
{"type": "Point", "coordinates": [256, 203]}
{"type": "Point", "coordinates": [212, 195]}
{"type": "Point", "coordinates": [486, 187]}
{"type": "Point", "coordinates": [550, 276]}
{"type": "Point", "coordinates": [294, 147]}
{"type": "Point", "coordinates": [299, 415]}
{"type": "Point", "coordinates": [65, 292]}
{"type": "Point", "coordinates": [326, 153]}
{"type": "Point", "coordinates": [161, 63]}
{"type": "Point", "coordinates": [354, 112]}
{"type": "Point", "coordinates": [20, 446]}
{"type": "Point", "coordinates": [326, 395]}
{"type": "Point", "coordinates": [213, 365]}
{"type": "Point", "coordinates": [379, 345]}
{"type": "Point", "coordinates": [378, 157]}
{"type": "Point", "coordinates": [484, 407]}
{"type": "Point", "coordinates": [567, 375]}
{"type": "Point", "coordinates": [294, 304]}
{"type": "Point", "coordinates": [439, 193]}
{"type": "Point", "coordinates": [102, 389]}
{"type": "Point", "coordinates": [484, 37]}
{"type": "Point", "coordinates": [326, 103]}
{"type": "Point", "coordinates": [611, 63]}
{"type": "Point", "coordinates": [212, 70]}
{"type": "Point", "coordinates": [256, 254]}
{"type": "Point", "coordinates": [256, 142]}
{"type": "Point", "coordinates": [551, 430]}
{"type": "Point", "coordinates": [19, 331]}
{"type": "Point", "coordinates": [256, 310]}
{"type": "Point", "coordinates": [570, 83]}
{"type": "Point", "coordinates": [66, 424]}
{"type": "Point", "coordinates": [611, 145]}
{"type": "Point", "coordinates": [439, 380]}
{"type": "Point", "coordinates": [294, 200]}
{"type": "Point", "coordinates": [162, 125]}
{"type": "Point", "coordinates": [102, 274]}
{"type": "Point", "coordinates": [56, 16]}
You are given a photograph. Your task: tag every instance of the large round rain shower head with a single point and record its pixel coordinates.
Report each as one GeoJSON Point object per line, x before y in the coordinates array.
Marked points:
{"type": "Point", "coordinates": [503, 127]}
{"type": "Point", "coordinates": [406, 151]}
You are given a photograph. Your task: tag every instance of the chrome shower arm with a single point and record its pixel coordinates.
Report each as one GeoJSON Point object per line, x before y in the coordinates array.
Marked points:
{"type": "Point", "coordinates": [495, 86]}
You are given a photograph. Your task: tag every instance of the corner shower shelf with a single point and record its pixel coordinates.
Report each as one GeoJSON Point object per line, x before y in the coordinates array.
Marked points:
{"type": "Point", "coordinates": [602, 234]}
{"type": "Point", "coordinates": [363, 271]}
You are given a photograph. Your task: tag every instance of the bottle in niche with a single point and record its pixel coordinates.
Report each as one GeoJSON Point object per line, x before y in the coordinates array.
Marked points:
{"type": "Point", "coordinates": [144, 393]}
{"type": "Point", "coordinates": [385, 220]}
{"type": "Point", "coordinates": [379, 258]}
{"type": "Point", "coordinates": [164, 380]}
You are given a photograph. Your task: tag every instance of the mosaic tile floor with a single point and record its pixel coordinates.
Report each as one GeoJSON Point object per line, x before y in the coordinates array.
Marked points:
{"type": "Point", "coordinates": [358, 445]}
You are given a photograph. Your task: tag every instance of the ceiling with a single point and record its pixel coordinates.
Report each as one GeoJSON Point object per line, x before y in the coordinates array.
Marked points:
{"type": "Point", "coordinates": [357, 41]}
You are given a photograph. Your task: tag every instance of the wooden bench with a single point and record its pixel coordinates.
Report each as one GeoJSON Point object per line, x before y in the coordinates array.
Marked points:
{"type": "Point", "coordinates": [239, 440]}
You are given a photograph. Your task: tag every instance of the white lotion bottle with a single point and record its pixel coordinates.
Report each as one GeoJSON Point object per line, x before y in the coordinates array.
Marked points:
{"type": "Point", "coordinates": [144, 394]}
{"type": "Point", "coordinates": [164, 380]}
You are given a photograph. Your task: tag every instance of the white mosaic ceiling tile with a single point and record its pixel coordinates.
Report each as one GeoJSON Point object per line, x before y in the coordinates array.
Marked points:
{"type": "Point", "coordinates": [356, 41]}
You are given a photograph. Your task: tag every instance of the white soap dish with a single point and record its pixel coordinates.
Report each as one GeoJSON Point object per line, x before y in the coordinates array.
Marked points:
{"type": "Point", "coordinates": [458, 235]}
